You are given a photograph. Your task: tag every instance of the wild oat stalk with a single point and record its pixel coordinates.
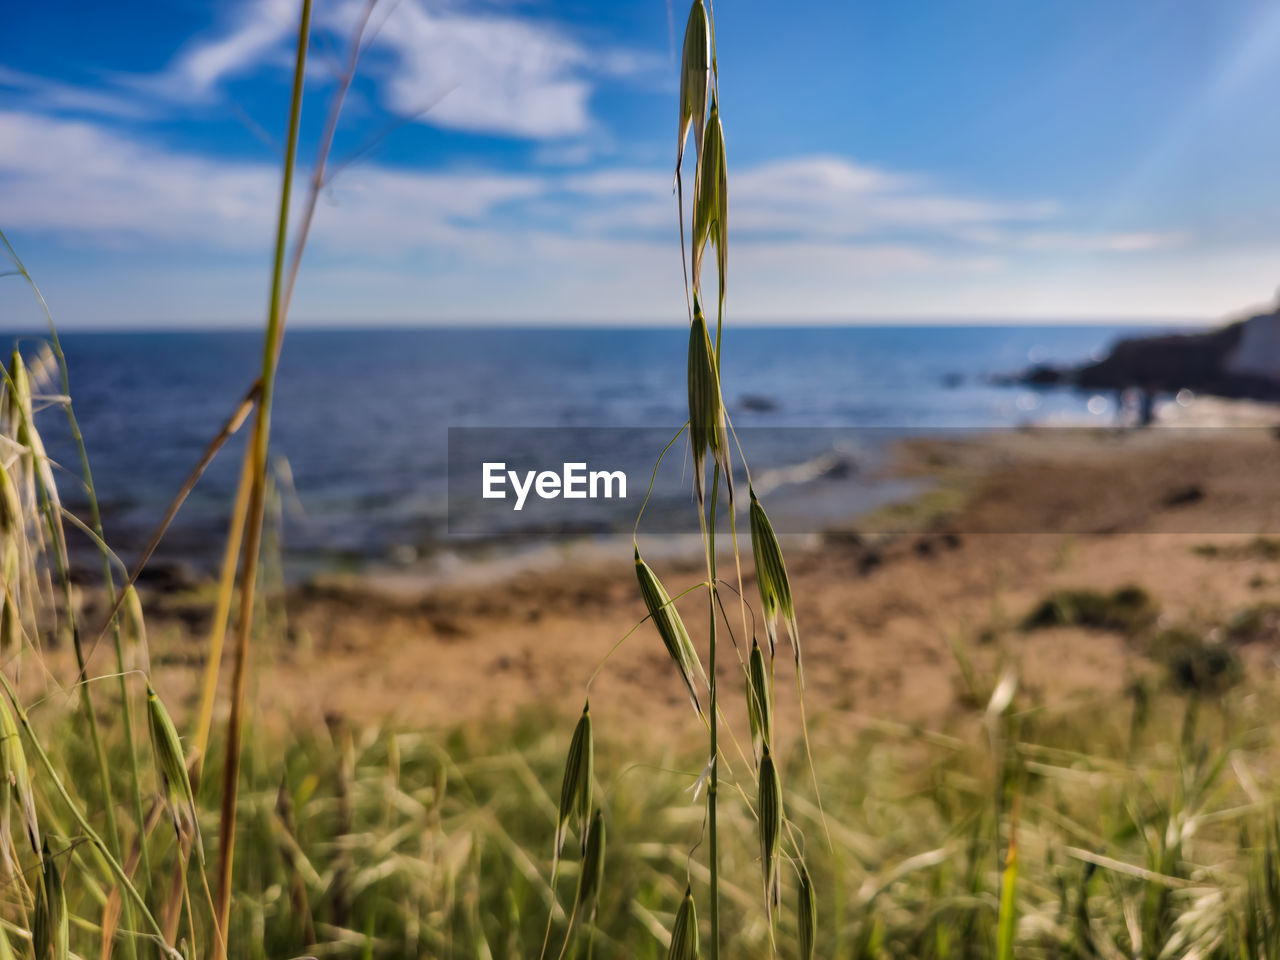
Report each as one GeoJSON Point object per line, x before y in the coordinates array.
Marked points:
{"type": "Point", "coordinates": [710, 431]}
{"type": "Point", "coordinates": [33, 552]}
{"type": "Point", "coordinates": [258, 445]}
{"type": "Point", "coordinates": [282, 285]}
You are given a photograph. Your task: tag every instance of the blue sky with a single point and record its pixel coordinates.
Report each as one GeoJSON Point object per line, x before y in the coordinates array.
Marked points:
{"type": "Point", "coordinates": [938, 159]}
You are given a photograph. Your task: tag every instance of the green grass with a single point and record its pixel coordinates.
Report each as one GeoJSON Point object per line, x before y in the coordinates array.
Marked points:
{"type": "Point", "coordinates": [439, 843]}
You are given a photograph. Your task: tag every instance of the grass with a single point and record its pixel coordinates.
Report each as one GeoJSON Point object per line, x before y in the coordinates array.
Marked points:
{"type": "Point", "coordinates": [434, 843]}
{"type": "Point", "coordinates": [1198, 659]}
{"type": "Point", "coordinates": [1259, 548]}
{"type": "Point", "coordinates": [1144, 828]}
{"type": "Point", "coordinates": [1256, 623]}
{"type": "Point", "coordinates": [922, 512]}
{"type": "Point", "coordinates": [1196, 664]}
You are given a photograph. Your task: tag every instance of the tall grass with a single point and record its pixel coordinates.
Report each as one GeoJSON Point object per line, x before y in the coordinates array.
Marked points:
{"type": "Point", "coordinates": [1106, 831]}
{"type": "Point", "coordinates": [779, 841]}
{"type": "Point", "coordinates": [259, 440]}
{"type": "Point", "coordinates": [37, 547]}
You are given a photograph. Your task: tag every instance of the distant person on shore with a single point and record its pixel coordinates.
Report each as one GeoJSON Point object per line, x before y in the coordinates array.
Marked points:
{"type": "Point", "coordinates": [1135, 406]}
{"type": "Point", "coordinates": [1147, 406]}
{"type": "Point", "coordinates": [1126, 407]}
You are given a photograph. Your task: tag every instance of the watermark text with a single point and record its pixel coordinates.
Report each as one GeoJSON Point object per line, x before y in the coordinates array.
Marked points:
{"type": "Point", "coordinates": [573, 482]}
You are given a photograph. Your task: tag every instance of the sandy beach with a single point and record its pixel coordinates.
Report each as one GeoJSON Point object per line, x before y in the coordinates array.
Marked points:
{"type": "Point", "coordinates": [1009, 518]}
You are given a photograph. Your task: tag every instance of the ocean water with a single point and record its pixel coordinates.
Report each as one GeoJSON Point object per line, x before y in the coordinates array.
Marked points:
{"type": "Point", "coordinates": [361, 416]}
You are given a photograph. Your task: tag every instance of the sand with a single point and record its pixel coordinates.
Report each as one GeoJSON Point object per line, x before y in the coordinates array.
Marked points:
{"type": "Point", "coordinates": [1011, 516]}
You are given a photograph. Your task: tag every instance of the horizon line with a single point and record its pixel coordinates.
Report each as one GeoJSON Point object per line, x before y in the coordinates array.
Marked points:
{"type": "Point", "coordinates": [303, 325]}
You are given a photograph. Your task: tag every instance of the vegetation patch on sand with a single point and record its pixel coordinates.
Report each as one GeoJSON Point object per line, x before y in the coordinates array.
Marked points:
{"type": "Point", "coordinates": [1128, 609]}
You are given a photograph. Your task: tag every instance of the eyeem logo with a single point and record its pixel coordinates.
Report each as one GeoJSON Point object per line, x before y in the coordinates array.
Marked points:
{"type": "Point", "coordinates": [572, 483]}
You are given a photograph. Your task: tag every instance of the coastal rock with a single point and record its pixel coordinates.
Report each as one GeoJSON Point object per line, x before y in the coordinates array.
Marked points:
{"type": "Point", "coordinates": [1195, 361]}
{"type": "Point", "coordinates": [1257, 350]}
{"type": "Point", "coordinates": [757, 403]}
{"type": "Point", "coordinates": [1240, 360]}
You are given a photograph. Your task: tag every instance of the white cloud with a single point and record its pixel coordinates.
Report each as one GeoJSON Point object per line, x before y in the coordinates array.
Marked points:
{"type": "Point", "coordinates": [260, 27]}
{"type": "Point", "coordinates": [839, 197]}
{"type": "Point", "coordinates": [81, 180]}
{"type": "Point", "coordinates": [72, 175]}
{"type": "Point", "coordinates": [1142, 242]}
{"type": "Point", "coordinates": [257, 31]}
{"type": "Point", "coordinates": [52, 96]}
{"type": "Point", "coordinates": [486, 73]}
{"type": "Point", "coordinates": [812, 237]}
{"type": "Point", "coordinates": [828, 196]}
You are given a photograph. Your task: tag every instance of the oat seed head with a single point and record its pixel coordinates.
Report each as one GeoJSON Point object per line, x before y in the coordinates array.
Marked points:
{"type": "Point", "coordinates": [14, 769]}
{"type": "Point", "coordinates": [769, 808]}
{"type": "Point", "coordinates": [684, 932]}
{"type": "Point", "coordinates": [10, 506]}
{"type": "Point", "coordinates": [173, 768]}
{"type": "Point", "coordinates": [675, 636]}
{"type": "Point", "coordinates": [575, 789]}
{"type": "Point", "coordinates": [759, 701]}
{"type": "Point", "coordinates": [10, 625]}
{"type": "Point", "coordinates": [711, 201]}
{"type": "Point", "coordinates": [695, 75]}
{"type": "Point", "coordinates": [707, 426]}
{"type": "Point", "coordinates": [806, 915]}
{"type": "Point", "coordinates": [589, 879]}
{"type": "Point", "coordinates": [771, 577]}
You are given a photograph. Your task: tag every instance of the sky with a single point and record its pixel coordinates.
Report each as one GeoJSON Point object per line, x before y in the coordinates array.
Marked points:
{"type": "Point", "coordinates": [511, 160]}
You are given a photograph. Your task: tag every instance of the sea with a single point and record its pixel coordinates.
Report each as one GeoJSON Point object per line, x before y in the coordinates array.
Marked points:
{"type": "Point", "coordinates": [360, 441]}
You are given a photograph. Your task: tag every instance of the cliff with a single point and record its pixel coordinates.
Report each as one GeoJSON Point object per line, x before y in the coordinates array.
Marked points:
{"type": "Point", "coordinates": [1238, 360]}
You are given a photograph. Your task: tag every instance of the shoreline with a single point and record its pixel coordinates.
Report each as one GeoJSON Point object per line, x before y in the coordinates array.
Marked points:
{"type": "Point", "coordinates": [885, 618]}
{"type": "Point", "coordinates": [918, 478]}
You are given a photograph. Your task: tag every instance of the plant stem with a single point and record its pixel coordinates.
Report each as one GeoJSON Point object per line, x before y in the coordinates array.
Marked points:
{"type": "Point", "coordinates": [82, 674]}
{"type": "Point", "coordinates": [259, 444]}
{"type": "Point", "coordinates": [713, 779]}
{"type": "Point", "coordinates": [95, 518]}
{"type": "Point", "coordinates": [222, 612]}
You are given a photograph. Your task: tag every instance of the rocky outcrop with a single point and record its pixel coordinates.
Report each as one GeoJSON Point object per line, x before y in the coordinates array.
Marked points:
{"type": "Point", "coordinates": [1239, 360]}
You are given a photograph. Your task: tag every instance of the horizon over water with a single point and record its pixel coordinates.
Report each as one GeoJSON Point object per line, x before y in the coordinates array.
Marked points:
{"type": "Point", "coordinates": [1136, 324]}
{"type": "Point", "coordinates": [361, 416]}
